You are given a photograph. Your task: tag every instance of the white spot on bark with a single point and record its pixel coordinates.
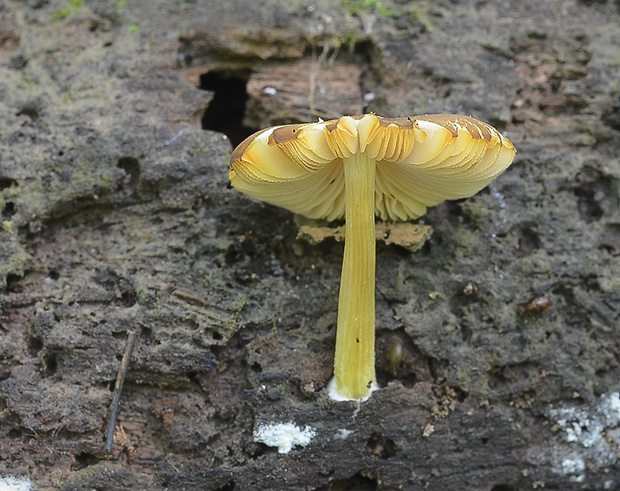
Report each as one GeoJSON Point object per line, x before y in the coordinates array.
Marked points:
{"type": "Point", "coordinates": [283, 436]}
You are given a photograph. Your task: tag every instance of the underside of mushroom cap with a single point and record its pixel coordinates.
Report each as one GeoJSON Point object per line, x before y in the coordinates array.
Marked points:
{"type": "Point", "coordinates": [421, 161]}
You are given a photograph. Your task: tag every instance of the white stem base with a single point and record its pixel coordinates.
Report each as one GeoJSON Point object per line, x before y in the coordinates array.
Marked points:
{"type": "Point", "coordinates": [335, 395]}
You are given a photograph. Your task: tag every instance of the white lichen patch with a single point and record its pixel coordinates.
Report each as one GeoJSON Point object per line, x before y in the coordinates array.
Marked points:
{"type": "Point", "coordinates": [283, 436]}
{"type": "Point", "coordinates": [11, 483]}
{"type": "Point", "coordinates": [593, 435]}
{"type": "Point", "coordinates": [342, 434]}
{"type": "Point", "coordinates": [574, 468]}
{"type": "Point", "coordinates": [587, 426]}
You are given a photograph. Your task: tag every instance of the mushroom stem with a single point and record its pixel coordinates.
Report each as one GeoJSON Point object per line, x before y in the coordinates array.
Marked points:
{"type": "Point", "coordinates": [354, 364]}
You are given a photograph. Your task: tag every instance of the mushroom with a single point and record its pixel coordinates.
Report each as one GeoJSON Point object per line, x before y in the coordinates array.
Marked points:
{"type": "Point", "coordinates": [359, 167]}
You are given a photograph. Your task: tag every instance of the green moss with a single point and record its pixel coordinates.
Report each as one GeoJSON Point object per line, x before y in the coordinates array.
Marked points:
{"type": "Point", "coordinates": [70, 97]}
{"type": "Point", "coordinates": [417, 16]}
{"type": "Point", "coordinates": [476, 211]}
{"type": "Point", "coordinates": [464, 378]}
{"type": "Point", "coordinates": [354, 7]}
{"type": "Point", "coordinates": [237, 306]}
{"type": "Point", "coordinates": [27, 79]}
{"type": "Point", "coordinates": [145, 294]}
{"type": "Point", "coordinates": [71, 6]}
{"type": "Point", "coordinates": [349, 40]}
{"type": "Point", "coordinates": [466, 242]}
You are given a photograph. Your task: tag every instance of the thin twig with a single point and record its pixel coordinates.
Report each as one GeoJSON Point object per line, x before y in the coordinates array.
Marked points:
{"type": "Point", "coordinates": [118, 387]}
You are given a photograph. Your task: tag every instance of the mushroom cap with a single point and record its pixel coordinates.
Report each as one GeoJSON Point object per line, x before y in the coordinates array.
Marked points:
{"type": "Point", "coordinates": [421, 161]}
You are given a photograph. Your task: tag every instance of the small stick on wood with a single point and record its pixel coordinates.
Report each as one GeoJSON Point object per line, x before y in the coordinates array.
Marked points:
{"type": "Point", "coordinates": [118, 386]}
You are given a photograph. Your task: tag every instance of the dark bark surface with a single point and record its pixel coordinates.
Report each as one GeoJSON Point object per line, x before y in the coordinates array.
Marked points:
{"type": "Point", "coordinates": [117, 216]}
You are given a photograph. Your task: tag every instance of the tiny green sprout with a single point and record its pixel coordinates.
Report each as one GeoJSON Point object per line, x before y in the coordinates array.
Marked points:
{"type": "Point", "coordinates": [349, 40]}
{"type": "Point", "coordinates": [433, 295]}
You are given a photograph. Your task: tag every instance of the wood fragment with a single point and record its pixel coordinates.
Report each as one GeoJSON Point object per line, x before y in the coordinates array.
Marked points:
{"type": "Point", "coordinates": [411, 236]}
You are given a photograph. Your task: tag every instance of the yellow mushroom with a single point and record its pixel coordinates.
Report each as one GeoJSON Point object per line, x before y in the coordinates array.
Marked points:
{"type": "Point", "coordinates": [359, 167]}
